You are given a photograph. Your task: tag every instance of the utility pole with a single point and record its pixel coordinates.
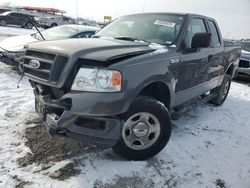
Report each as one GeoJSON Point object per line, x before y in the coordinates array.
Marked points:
{"type": "Point", "coordinates": [144, 5]}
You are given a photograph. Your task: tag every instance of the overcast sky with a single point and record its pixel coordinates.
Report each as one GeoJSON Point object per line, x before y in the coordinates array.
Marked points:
{"type": "Point", "coordinates": [233, 16]}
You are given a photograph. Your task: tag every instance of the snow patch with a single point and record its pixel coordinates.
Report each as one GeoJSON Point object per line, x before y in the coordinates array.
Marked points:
{"type": "Point", "coordinates": [208, 145]}
{"type": "Point", "coordinates": [159, 49]}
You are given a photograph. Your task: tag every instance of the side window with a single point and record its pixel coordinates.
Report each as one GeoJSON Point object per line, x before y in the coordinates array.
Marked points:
{"type": "Point", "coordinates": [197, 25]}
{"type": "Point", "coordinates": [65, 19]}
{"type": "Point", "coordinates": [12, 14]}
{"type": "Point", "coordinates": [215, 34]}
{"type": "Point", "coordinates": [17, 15]}
{"type": "Point", "coordinates": [71, 21]}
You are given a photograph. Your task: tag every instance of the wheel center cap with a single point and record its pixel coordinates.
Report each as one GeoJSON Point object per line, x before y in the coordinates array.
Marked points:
{"type": "Point", "coordinates": [140, 129]}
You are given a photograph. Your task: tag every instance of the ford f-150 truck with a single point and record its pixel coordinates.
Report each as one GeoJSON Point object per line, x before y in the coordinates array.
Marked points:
{"type": "Point", "coordinates": [123, 87]}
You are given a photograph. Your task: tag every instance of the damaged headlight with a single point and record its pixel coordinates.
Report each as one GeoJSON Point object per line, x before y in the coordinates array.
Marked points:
{"type": "Point", "coordinates": [97, 80]}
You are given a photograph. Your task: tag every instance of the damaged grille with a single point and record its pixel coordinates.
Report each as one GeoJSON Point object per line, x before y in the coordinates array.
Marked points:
{"type": "Point", "coordinates": [244, 64]}
{"type": "Point", "coordinates": [44, 66]}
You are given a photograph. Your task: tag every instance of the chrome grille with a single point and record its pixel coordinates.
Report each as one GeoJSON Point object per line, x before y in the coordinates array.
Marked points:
{"type": "Point", "coordinates": [50, 65]}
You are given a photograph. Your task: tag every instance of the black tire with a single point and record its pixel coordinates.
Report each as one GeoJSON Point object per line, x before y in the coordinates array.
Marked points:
{"type": "Point", "coordinates": [152, 106]}
{"type": "Point", "coordinates": [222, 91]}
{"type": "Point", "coordinates": [29, 25]}
{"type": "Point", "coordinates": [3, 23]}
{"type": "Point", "coordinates": [53, 25]}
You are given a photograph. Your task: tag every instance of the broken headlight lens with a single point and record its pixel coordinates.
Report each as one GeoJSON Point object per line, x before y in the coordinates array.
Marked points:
{"type": "Point", "coordinates": [97, 80]}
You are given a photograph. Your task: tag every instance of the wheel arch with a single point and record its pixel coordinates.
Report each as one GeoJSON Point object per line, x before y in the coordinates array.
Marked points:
{"type": "Point", "coordinates": [159, 91]}
{"type": "Point", "coordinates": [230, 70]}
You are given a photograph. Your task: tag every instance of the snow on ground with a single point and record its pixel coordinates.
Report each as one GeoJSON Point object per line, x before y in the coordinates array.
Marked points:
{"type": "Point", "coordinates": [209, 147]}
{"type": "Point", "coordinates": [12, 31]}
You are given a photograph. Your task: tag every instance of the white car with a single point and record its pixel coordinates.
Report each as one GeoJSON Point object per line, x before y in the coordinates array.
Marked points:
{"type": "Point", "coordinates": [14, 47]}
{"type": "Point", "coordinates": [53, 21]}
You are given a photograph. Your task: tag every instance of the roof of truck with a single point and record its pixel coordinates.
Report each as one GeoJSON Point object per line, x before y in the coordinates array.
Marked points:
{"type": "Point", "coordinates": [174, 13]}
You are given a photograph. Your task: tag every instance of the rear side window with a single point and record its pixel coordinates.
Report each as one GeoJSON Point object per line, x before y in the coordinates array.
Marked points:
{"type": "Point", "coordinates": [197, 25]}
{"type": "Point", "coordinates": [215, 34]}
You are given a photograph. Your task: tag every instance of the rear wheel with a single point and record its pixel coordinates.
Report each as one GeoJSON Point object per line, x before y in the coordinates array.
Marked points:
{"type": "Point", "coordinates": [146, 130]}
{"type": "Point", "coordinates": [222, 91]}
{"type": "Point", "coordinates": [29, 25]}
{"type": "Point", "coordinates": [3, 23]}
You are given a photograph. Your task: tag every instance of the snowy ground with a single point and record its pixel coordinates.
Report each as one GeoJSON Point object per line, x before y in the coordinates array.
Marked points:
{"type": "Point", "coordinates": [209, 147]}
{"type": "Point", "coordinates": [12, 31]}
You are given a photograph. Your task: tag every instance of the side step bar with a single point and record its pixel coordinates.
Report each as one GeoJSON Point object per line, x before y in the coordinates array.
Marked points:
{"type": "Point", "coordinates": [180, 111]}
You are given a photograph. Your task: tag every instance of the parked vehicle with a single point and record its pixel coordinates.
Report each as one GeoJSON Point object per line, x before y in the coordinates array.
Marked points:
{"type": "Point", "coordinates": [123, 87]}
{"type": "Point", "coordinates": [13, 48]}
{"type": "Point", "coordinates": [244, 65]}
{"type": "Point", "coordinates": [53, 21]}
{"type": "Point", "coordinates": [15, 18]}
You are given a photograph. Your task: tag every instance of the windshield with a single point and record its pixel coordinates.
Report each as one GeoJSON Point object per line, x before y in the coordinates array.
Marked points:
{"type": "Point", "coordinates": [153, 28]}
{"type": "Point", "coordinates": [246, 46]}
{"type": "Point", "coordinates": [57, 33]}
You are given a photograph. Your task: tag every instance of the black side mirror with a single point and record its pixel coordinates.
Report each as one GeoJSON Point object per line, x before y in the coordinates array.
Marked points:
{"type": "Point", "coordinates": [201, 40]}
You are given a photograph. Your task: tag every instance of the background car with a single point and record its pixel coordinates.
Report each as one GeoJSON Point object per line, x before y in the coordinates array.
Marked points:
{"type": "Point", "coordinates": [15, 18]}
{"type": "Point", "coordinates": [53, 21]}
{"type": "Point", "coordinates": [14, 47]}
{"type": "Point", "coordinates": [244, 65]}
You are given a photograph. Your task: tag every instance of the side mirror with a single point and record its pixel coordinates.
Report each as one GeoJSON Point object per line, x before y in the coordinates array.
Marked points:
{"type": "Point", "coordinates": [201, 40]}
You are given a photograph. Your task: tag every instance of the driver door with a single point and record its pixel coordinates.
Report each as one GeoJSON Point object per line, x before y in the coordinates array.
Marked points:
{"type": "Point", "coordinates": [193, 65]}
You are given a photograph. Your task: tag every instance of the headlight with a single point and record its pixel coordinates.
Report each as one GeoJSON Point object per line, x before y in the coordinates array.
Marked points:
{"type": "Point", "coordinates": [97, 80]}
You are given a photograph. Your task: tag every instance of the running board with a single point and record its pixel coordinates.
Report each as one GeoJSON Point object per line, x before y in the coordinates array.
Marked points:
{"type": "Point", "coordinates": [180, 111]}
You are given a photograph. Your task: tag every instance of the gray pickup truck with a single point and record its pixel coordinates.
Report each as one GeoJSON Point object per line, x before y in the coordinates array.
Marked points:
{"type": "Point", "coordinates": [123, 87]}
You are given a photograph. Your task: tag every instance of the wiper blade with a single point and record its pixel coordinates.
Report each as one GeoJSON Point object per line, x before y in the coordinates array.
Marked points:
{"type": "Point", "coordinates": [131, 39]}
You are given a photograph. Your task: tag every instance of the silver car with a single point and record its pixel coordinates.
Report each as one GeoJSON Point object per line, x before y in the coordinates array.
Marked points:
{"type": "Point", "coordinates": [244, 65]}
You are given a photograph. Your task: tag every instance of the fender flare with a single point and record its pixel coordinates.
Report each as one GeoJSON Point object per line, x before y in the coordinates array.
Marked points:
{"type": "Point", "coordinates": [157, 78]}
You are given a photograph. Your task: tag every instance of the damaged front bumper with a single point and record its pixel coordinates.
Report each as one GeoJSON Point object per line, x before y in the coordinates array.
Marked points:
{"type": "Point", "coordinates": [60, 120]}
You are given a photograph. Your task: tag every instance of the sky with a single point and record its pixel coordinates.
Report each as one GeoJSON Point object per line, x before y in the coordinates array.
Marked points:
{"type": "Point", "coordinates": [233, 16]}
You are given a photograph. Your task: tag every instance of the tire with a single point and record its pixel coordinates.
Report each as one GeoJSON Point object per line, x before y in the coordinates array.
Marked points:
{"type": "Point", "coordinates": [3, 23]}
{"type": "Point", "coordinates": [156, 131]}
{"type": "Point", "coordinates": [29, 25]}
{"type": "Point", "coordinates": [53, 25]}
{"type": "Point", "coordinates": [222, 91]}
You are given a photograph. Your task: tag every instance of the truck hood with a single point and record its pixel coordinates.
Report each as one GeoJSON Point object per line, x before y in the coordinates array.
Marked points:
{"type": "Point", "coordinates": [16, 43]}
{"type": "Point", "coordinates": [99, 49]}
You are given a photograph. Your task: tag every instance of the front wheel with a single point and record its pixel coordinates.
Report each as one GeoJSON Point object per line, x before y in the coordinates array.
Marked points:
{"type": "Point", "coordinates": [146, 130]}
{"type": "Point", "coordinates": [222, 91]}
{"type": "Point", "coordinates": [3, 23]}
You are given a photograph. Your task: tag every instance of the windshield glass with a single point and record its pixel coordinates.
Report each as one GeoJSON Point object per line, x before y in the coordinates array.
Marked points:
{"type": "Point", "coordinates": [153, 28]}
{"type": "Point", "coordinates": [246, 46]}
{"type": "Point", "coordinates": [57, 33]}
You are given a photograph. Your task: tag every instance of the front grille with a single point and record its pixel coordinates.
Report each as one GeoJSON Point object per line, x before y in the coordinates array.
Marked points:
{"type": "Point", "coordinates": [244, 64]}
{"type": "Point", "coordinates": [50, 68]}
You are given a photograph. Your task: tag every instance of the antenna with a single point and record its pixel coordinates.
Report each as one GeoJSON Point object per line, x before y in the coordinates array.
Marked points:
{"type": "Point", "coordinates": [144, 5]}
{"type": "Point", "coordinates": [77, 13]}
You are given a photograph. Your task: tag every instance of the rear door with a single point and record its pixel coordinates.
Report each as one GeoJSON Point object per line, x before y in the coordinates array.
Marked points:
{"type": "Point", "coordinates": [194, 65]}
{"type": "Point", "coordinates": [217, 57]}
{"type": "Point", "coordinates": [12, 19]}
